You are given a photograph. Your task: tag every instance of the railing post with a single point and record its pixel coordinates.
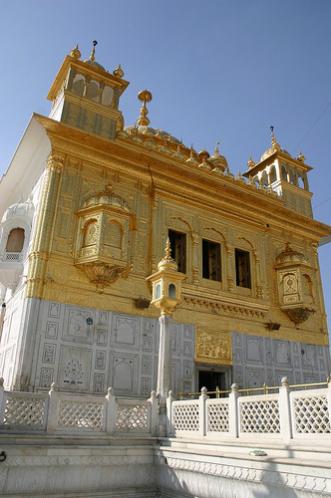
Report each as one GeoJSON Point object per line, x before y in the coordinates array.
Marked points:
{"type": "Point", "coordinates": [53, 409]}
{"type": "Point", "coordinates": [233, 411]}
{"type": "Point", "coordinates": [154, 413]}
{"type": "Point", "coordinates": [169, 402]}
{"type": "Point", "coordinates": [202, 411]}
{"type": "Point", "coordinates": [285, 411]}
{"type": "Point", "coordinates": [2, 401]}
{"type": "Point", "coordinates": [111, 411]}
{"type": "Point", "coordinates": [329, 397]}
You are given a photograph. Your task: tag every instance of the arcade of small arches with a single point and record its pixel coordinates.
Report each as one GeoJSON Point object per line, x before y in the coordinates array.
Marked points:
{"type": "Point", "coordinates": [282, 172]}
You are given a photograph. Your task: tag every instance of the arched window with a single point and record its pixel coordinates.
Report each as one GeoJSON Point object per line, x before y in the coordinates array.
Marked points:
{"type": "Point", "coordinates": [107, 96]}
{"type": "Point", "coordinates": [172, 291]}
{"type": "Point", "coordinates": [264, 179]}
{"type": "Point", "coordinates": [15, 241]}
{"type": "Point", "coordinates": [93, 90]}
{"type": "Point", "coordinates": [301, 182]}
{"type": "Point", "coordinates": [90, 233]}
{"type": "Point", "coordinates": [272, 174]}
{"type": "Point", "coordinates": [291, 176]}
{"type": "Point", "coordinates": [283, 172]}
{"type": "Point", "coordinates": [78, 85]}
{"type": "Point", "coordinates": [157, 291]}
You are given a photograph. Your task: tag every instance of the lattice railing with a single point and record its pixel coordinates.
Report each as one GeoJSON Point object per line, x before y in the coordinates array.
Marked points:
{"type": "Point", "coordinates": [132, 416]}
{"type": "Point", "coordinates": [24, 411]}
{"type": "Point", "coordinates": [81, 414]}
{"type": "Point", "coordinates": [67, 412]}
{"type": "Point", "coordinates": [285, 416]}
{"type": "Point", "coordinates": [185, 416]}
{"type": "Point", "coordinates": [11, 256]}
{"type": "Point", "coordinates": [310, 412]}
{"type": "Point", "coordinates": [259, 414]}
{"type": "Point", "coordinates": [217, 415]}
{"type": "Point", "coordinates": [281, 416]}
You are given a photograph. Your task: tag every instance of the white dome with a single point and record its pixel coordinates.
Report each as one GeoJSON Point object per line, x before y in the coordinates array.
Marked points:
{"type": "Point", "coordinates": [19, 210]}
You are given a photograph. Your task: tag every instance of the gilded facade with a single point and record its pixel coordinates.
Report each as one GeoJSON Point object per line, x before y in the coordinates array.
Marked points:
{"type": "Point", "coordinates": [105, 198]}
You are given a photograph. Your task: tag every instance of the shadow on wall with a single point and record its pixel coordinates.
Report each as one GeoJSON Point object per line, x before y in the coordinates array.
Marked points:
{"type": "Point", "coordinates": [180, 477]}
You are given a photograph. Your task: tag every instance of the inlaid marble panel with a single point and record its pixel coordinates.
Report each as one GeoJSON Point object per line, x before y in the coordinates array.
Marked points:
{"type": "Point", "coordinates": [258, 360]}
{"type": "Point", "coordinates": [91, 350]}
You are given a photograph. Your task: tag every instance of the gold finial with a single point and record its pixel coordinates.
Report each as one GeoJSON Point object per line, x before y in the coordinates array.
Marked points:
{"type": "Point", "coordinates": [301, 157]}
{"type": "Point", "coordinates": [118, 71]}
{"type": "Point", "coordinates": [167, 262]}
{"type": "Point", "coordinates": [192, 157]}
{"type": "Point", "coordinates": [251, 163]}
{"type": "Point", "coordinates": [167, 250]}
{"type": "Point", "coordinates": [217, 150]}
{"type": "Point", "coordinates": [144, 96]}
{"type": "Point", "coordinates": [75, 53]}
{"type": "Point", "coordinates": [92, 56]}
{"type": "Point", "coordinates": [274, 144]}
{"type": "Point", "coordinates": [203, 157]}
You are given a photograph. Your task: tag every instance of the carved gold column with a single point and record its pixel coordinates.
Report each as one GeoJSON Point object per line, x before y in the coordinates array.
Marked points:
{"type": "Point", "coordinates": [196, 245]}
{"type": "Point", "coordinates": [45, 223]}
{"type": "Point", "coordinates": [259, 288]}
{"type": "Point", "coordinates": [319, 290]}
{"type": "Point", "coordinates": [230, 267]}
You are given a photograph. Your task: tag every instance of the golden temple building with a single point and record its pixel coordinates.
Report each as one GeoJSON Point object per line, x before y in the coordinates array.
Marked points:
{"type": "Point", "coordinates": [86, 208]}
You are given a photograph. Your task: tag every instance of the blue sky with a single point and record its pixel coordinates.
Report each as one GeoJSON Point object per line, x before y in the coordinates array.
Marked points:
{"type": "Point", "coordinates": [219, 70]}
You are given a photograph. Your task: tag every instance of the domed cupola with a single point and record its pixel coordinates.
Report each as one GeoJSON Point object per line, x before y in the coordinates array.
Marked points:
{"type": "Point", "coordinates": [20, 210]}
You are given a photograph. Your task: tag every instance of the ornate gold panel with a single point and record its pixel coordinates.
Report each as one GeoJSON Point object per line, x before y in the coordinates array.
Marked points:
{"type": "Point", "coordinates": [213, 347]}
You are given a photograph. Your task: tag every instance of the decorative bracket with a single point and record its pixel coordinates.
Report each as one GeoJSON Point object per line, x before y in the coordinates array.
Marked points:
{"type": "Point", "coordinates": [102, 274]}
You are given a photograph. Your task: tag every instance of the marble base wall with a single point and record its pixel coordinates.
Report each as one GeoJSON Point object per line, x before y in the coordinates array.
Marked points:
{"type": "Point", "coordinates": [87, 350]}
{"type": "Point", "coordinates": [88, 471]}
{"type": "Point", "coordinates": [261, 359]}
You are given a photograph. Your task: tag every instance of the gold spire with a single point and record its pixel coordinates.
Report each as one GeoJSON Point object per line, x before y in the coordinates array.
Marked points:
{"type": "Point", "coordinates": [75, 53]}
{"type": "Point", "coordinates": [118, 71]}
{"type": "Point", "coordinates": [92, 55]}
{"type": "Point", "coordinates": [192, 157]}
{"type": "Point", "coordinates": [217, 150]}
{"type": "Point", "coordinates": [167, 250]}
{"type": "Point", "coordinates": [301, 157]}
{"type": "Point", "coordinates": [251, 163]}
{"type": "Point", "coordinates": [274, 144]}
{"type": "Point", "coordinates": [144, 96]}
{"type": "Point", "coordinates": [167, 262]}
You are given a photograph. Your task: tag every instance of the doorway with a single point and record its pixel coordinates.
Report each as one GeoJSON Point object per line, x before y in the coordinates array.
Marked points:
{"type": "Point", "coordinates": [211, 379]}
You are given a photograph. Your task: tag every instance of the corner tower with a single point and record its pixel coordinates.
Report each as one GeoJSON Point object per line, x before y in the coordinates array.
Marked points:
{"type": "Point", "coordinates": [283, 174]}
{"type": "Point", "coordinates": [86, 96]}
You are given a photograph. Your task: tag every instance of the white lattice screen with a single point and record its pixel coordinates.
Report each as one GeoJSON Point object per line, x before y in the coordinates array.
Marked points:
{"type": "Point", "coordinates": [185, 416]}
{"type": "Point", "coordinates": [259, 416]}
{"type": "Point", "coordinates": [25, 411]}
{"type": "Point", "coordinates": [310, 413]}
{"type": "Point", "coordinates": [217, 415]}
{"type": "Point", "coordinates": [133, 417]}
{"type": "Point", "coordinates": [81, 415]}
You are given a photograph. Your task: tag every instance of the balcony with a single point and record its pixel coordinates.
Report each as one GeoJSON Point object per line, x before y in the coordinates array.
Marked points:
{"type": "Point", "coordinates": [11, 268]}
{"type": "Point", "coordinates": [12, 256]}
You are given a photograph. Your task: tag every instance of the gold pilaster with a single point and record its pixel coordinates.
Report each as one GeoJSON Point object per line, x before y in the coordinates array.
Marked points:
{"type": "Point", "coordinates": [44, 225]}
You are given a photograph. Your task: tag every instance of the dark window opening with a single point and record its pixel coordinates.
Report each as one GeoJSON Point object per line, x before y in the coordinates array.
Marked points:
{"type": "Point", "coordinates": [178, 249]}
{"type": "Point", "coordinates": [243, 269]}
{"type": "Point", "coordinates": [211, 260]}
{"type": "Point", "coordinates": [15, 241]}
{"type": "Point", "coordinates": [211, 380]}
